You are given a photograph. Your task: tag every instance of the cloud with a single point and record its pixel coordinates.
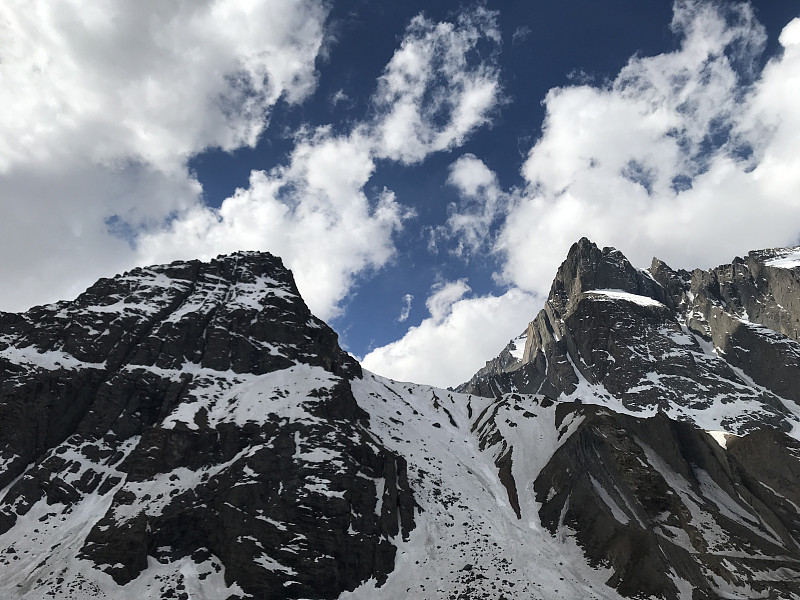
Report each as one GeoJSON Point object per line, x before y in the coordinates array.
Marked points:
{"type": "Point", "coordinates": [151, 80]}
{"type": "Point", "coordinates": [481, 202]}
{"type": "Point", "coordinates": [447, 348]}
{"type": "Point", "coordinates": [406, 310]}
{"type": "Point", "coordinates": [690, 155]}
{"type": "Point", "coordinates": [438, 87]}
{"type": "Point", "coordinates": [104, 103]}
{"type": "Point", "coordinates": [313, 212]}
{"type": "Point", "coordinates": [520, 34]}
{"type": "Point", "coordinates": [340, 96]}
{"type": "Point", "coordinates": [444, 295]}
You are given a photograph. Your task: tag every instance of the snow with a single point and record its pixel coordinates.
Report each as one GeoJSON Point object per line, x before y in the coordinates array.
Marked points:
{"type": "Point", "coordinates": [518, 344]}
{"type": "Point", "coordinates": [721, 437]}
{"type": "Point", "coordinates": [227, 397]}
{"type": "Point", "coordinates": [728, 506]}
{"type": "Point", "coordinates": [60, 531]}
{"type": "Point", "coordinates": [270, 564]}
{"type": "Point", "coordinates": [626, 296]}
{"type": "Point", "coordinates": [789, 260]}
{"type": "Point", "coordinates": [51, 360]}
{"type": "Point", "coordinates": [616, 511]}
{"type": "Point", "coordinates": [451, 442]}
{"type": "Point", "coordinates": [466, 517]}
{"type": "Point", "coordinates": [320, 455]}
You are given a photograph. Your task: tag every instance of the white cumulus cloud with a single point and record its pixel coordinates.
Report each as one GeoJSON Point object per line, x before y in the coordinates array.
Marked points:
{"type": "Point", "coordinates": [447, 348]}
{"type": "Point", "coordinates": [104, 103]}
{"type": "Point", "coordinates": [313, 213]}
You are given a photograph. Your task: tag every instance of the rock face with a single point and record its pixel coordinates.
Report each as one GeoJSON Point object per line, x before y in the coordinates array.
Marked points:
{"type": "Point", "coordinates": [663, 503]}
{"type": "Point", "coordinates": [204, 414]}
{"type": "Point", "coordinates": [192, 431]}
{"type": "Point", "coordinates": [655, 498]}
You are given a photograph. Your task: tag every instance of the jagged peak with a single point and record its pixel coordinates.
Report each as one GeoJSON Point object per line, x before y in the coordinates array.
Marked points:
{"type": "Point", "coordinates": [588, 268]}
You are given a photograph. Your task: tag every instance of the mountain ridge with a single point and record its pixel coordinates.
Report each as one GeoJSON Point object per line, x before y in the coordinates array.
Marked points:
{"type": "Point", "coordinates": [191, 430]}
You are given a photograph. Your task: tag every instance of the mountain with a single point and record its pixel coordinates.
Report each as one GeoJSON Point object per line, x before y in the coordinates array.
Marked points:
{"type": "Point", "coordinates": [717, 347]}
{"type": "Point", "coordinates": [192, 431]}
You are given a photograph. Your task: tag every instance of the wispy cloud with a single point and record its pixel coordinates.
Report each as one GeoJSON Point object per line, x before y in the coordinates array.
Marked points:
{"type": "Point", "coordinates": [520, 34]}
{"type": "Point", "coordinates": [339, 96]}
{"type": "Point", "coordinates": [482, 202]}
{"type": "Point", "coordinates": [406, 310]}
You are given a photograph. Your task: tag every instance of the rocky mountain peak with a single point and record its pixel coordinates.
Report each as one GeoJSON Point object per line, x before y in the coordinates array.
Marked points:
{"type": "Point", "coordinates": [658, 338]}
{"type": "Point", "coordinates": [240, 312]}
{"type": "Point", "coordinates": [176, 404]}
{"type": "Point", "coordinates": [589, 268]}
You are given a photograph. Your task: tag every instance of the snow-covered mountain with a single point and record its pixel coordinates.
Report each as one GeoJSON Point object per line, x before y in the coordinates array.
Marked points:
{"type": "Point", "coordinates": [192, 431]}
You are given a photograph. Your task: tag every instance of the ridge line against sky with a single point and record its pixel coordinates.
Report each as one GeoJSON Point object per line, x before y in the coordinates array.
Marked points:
{"type": "Point", "coordinates": [422, 172]}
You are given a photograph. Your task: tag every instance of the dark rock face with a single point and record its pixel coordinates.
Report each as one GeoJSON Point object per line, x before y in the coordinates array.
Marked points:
{"type": "Point", "coordinates": [191, 430]}
{"type": "Point", "coordinates": [649, 494]}
{"type": "Point", "coordinates": [658, 505]}
{"type": "Point", "coordinates": [657, 499]}
{"type": "Point", "coordinates": [206, 414]}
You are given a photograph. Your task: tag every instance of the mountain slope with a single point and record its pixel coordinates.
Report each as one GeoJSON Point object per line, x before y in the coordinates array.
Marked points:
{"type": "Point", "coordinates": [192, 431]}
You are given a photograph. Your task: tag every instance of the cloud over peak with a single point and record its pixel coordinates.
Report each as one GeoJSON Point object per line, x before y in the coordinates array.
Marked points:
{"type": "Point", "coordinates": [667, 159]}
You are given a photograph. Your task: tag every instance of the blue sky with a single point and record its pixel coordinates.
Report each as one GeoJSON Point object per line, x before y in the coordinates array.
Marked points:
{"type": "Point", "coordinates": [422, 167]}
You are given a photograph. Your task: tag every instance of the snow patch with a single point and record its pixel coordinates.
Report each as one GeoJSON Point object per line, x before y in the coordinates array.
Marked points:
{"type": "Point", "coordinates": [790, 260]}
{"type": "Point", "coordinates": [626, 296]}
{"type": "Point", "coordinates": [721, 437]}
{"type": "Point", "coordinates": [517, 348]}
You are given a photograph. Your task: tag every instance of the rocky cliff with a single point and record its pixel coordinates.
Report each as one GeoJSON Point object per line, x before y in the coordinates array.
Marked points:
{"type": "Point", "coordinates": [661, 339]}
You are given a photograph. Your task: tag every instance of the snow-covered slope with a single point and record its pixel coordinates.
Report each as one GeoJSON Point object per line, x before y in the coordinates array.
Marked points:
{"type": "Point", "coordinates": [523, 497]}
{"type": "Point", "coordinates": [192, 431]}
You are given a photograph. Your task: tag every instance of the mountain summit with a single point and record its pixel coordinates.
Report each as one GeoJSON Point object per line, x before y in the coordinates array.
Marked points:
{"type": "Point", "coordinates": [192, 431]}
